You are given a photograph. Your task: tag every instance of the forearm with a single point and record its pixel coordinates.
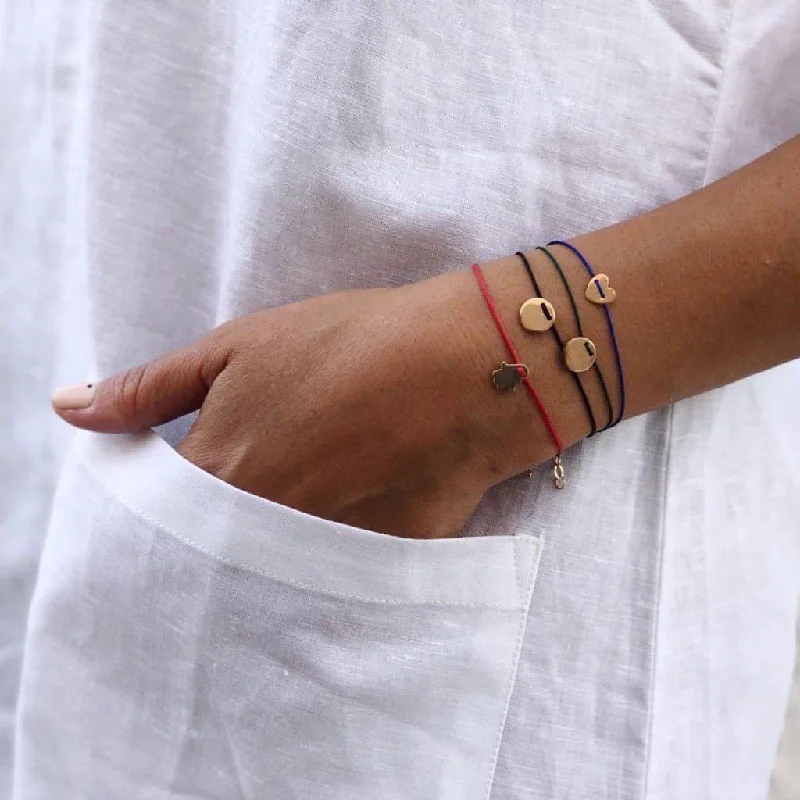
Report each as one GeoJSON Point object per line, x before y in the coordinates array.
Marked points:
{"type": "Point", "coordinates": [713, 281]}
{"type": "Point", "coordinates": [708, 292]}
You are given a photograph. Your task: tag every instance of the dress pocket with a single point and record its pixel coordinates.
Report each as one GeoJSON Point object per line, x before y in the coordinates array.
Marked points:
{"type": "Point", "coordinates": [188, 639]}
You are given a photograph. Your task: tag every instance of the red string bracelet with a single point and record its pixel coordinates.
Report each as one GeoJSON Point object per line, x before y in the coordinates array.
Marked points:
{"type": "Point", "coordinates": [512, 352]}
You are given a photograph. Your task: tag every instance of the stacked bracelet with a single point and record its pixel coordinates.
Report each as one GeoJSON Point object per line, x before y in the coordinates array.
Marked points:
{"type": "Point", "coordinates": [537, 314]}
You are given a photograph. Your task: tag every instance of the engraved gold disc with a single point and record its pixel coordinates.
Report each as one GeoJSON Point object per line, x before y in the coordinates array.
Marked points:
{"type": "Point", "coordinates": [537, 314]}
{"type": "Point", "coordinates": [580, 354]}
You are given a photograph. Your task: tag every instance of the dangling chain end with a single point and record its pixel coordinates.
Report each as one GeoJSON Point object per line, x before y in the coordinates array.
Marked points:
{"type": "Point", "coordinates": [559, 481]}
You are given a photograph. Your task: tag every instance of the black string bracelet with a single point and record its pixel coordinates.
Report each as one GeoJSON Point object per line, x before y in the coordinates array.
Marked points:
{"type": "Point", "coordinates": [560, 342]}
{"type": "Point", "coordinates": [606, 396]}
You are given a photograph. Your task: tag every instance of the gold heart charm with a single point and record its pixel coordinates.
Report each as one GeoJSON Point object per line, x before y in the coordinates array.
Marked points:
{"type": "Point", "coordinates": [599, 291]}
{"type": "Point", "coordinates": [580, 354]}
{"type": "Point", "coordinates": [537, 314]}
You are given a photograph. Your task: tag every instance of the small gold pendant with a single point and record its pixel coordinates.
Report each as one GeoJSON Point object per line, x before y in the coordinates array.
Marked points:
{"type": "Point", "coordinates": [599, 291]}
{"type": "Point", "coordinates": [580, 354]}
{"type": "Point", "coordinates": [537, 314]}
{"type": "Point", "coordinates": [509, 376]}
{"type": "Point", "coordinates": [559, 481]}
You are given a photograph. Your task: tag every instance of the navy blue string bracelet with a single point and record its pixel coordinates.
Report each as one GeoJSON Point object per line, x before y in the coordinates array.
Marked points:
{"type": "Point", "coordinates": [610, 321]}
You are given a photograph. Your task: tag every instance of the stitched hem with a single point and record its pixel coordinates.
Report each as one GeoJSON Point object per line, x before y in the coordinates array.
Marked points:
{"type": "Point", "coordinates": [296, 584]}
{"type": "Point", "coordinates": [253, 533]}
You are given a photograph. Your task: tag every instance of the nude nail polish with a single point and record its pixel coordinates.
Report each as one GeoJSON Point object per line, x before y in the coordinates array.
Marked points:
{"type": "Point", "coordinates": [72, 398]}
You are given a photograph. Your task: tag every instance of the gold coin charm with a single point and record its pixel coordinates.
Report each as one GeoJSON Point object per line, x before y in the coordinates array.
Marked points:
{"type": "Point", "coordinates": [509, 376]}
{"type": "Point", "coordinates": [580, 354]}
{"type": "Point", "coordinates": [599, 291]}
{"type": "Point", "coordinates": [537, 314]}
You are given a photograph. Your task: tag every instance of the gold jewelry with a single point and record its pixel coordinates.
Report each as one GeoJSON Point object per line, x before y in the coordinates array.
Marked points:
{"type": "Point", "coordinates": [599, 291]}
{"type": "Point", "coordinates": [537, 314]}
{"type": "Point", "coordinates": [580, 354]}
{"type": "Point", "coordinates": [508, 376]}
{"type": "Point", "coordinates": [559, 481]}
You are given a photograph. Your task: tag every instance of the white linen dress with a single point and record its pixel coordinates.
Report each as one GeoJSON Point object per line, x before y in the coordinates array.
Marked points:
{"type": "Point", "coordinates": [631, 637]}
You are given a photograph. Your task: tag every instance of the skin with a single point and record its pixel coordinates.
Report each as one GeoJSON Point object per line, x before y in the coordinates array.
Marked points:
{"type": "Point", "coordinates": [375, 407]}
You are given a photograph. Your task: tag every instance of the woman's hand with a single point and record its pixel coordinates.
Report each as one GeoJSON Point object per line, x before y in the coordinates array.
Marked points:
{"type": "Point", "coordinates": [368, 407]}
{"type": "Point", "coordinates": [375, 407]}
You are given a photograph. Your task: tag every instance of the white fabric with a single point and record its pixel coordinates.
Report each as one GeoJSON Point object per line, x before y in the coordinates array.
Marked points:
{"type": "Point", "coordinates": [43, 340]}
{"type": "Point", "coordinates": [187, 640]}
{"type": "Point", "coordinates": [319, 658]}
{"type": "Point", "coordinates": [785, 784]}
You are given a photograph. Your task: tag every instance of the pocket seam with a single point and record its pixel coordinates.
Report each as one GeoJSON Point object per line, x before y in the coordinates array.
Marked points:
{"type": "Point", "coordinates": [285, 580]}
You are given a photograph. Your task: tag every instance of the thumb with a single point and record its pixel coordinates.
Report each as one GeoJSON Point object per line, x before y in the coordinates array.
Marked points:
{"type": "Point", "coordinates": [146, 395]}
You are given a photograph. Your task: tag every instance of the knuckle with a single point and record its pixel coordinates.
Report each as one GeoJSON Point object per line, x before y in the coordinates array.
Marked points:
{"type": "Point", "coordinates": [126, 391]}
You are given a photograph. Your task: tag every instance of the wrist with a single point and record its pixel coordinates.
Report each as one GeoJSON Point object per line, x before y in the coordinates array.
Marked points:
{"type": "Point", "coordinates": [505, 429]}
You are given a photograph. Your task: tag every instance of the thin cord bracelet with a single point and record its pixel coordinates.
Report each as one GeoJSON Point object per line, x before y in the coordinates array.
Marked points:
{"type": "Point", "coordinates": [560, 342]}
{"type": "Point", "coordinates": [558, 469]}
{"type": "Point", "coordinates": [610, 321]}
{"type": "Point", "coordinates": [603, 386]}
